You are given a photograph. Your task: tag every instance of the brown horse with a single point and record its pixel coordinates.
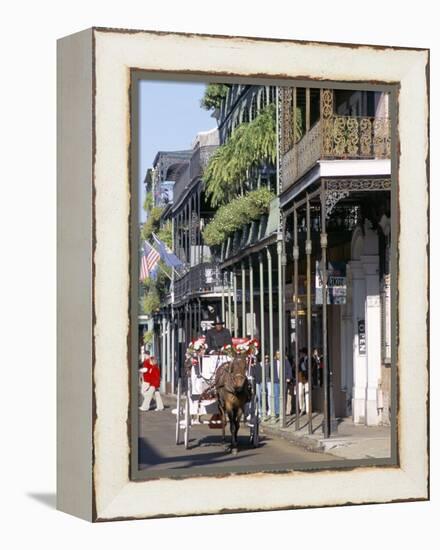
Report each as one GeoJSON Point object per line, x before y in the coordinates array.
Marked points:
{"type": "Point", "coordinates": [233, 392]}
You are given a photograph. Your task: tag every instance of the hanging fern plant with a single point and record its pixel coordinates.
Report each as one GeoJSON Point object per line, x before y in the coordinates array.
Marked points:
{"type": "Point", "coordinates": [148, 202]}
{"type": "Point", "coordinates": [152, 224]}
{"type": "Point", "coordinates": [250, 144]}
{"type": "Point", "coordinates": [150, 303]}
{"type": "Point", "coordinates": [239, 212]}
{"type": "Point", "coordinates": [165, 234]}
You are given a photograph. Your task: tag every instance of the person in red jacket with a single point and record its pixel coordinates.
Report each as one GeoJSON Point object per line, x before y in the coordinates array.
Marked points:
{"type": "Point", "coordinates": [150, 384]}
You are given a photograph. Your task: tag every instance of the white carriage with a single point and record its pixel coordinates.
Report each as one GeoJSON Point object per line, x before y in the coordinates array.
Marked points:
{"type": "Point", "coordinates": [192, 404]}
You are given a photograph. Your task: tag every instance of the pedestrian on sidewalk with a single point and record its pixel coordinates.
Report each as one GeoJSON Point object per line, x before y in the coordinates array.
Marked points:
{"type": "Point", "coordinates": [150, 384]}
{"type": "Point", "coordinates": [288, 377]}
{"type": "Point", "coordinates": [303, 382]}
{"type": "Point", "coordinates": [316, 368]}
{"type": "Point", "coordinates": [276, 381]}
{"type": "Point", "coordinates": [256, 372]}
{"type": "Point", "coordinates": [320, 365]}
{"type": "Point", "coordinates": [272, 388]}
{"type": "Point", "coordinates": [266, 367]}
{"type": "Point", "coordinates": [143, 354]}
{"type": "Point", "coordinates": [290, 387]}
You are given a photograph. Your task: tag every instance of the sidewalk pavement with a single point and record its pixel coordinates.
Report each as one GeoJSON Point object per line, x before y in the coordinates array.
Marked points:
{"type": "Point", "coordinates": [352, 441]}
{"type": "Point", "coordinates": [169, 400]}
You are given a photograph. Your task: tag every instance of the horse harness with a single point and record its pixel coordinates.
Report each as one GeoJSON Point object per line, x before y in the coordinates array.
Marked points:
{"type": "Point", "coordinates": [230, 375]}
{"type": "Point", "coordinates": [211, 392]}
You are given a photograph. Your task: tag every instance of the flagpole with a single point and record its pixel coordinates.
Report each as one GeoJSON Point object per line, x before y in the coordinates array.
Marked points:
{"type": "Point", "coordinates": [163, 271]}
{"type": "Point", "coordinates": [174, 269]}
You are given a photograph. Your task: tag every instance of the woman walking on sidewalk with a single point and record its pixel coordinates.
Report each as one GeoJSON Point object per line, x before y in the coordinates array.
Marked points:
{"type": "Point", "coordinates": [150, 384]}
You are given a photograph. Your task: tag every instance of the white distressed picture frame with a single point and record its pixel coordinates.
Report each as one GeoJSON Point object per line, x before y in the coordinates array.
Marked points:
{"type": "Point", "coordinates": [94, 273]}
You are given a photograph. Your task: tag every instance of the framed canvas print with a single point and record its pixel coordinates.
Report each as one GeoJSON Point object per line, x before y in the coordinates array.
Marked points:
{"type": "Point", "coordinates": [242, 274]}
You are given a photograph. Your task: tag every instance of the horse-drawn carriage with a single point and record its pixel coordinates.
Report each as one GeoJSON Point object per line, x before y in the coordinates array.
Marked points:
{"type": "Point", "coordinates": [219, 386]}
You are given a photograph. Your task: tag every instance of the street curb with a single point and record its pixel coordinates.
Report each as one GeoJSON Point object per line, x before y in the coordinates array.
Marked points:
{"type": "Point", "coordinates": [314, 445]}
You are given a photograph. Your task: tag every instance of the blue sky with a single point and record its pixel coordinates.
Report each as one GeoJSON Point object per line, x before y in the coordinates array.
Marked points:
{"type": "Point", "coordinates": [170, 117]}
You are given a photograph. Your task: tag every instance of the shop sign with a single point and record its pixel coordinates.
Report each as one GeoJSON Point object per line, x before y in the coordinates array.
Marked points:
{"type": "Point", "coordinates": [362, 338]}
{"type": "Point", "coordinates": [336, 283]}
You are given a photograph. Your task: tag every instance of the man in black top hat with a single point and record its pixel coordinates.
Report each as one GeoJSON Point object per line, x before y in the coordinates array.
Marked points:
{"type": "Point", "coordinates": [218, 336]}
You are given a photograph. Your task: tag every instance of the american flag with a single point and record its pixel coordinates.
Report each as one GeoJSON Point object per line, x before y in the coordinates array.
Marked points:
{"type": "Point", "coordinates": [149, 259]}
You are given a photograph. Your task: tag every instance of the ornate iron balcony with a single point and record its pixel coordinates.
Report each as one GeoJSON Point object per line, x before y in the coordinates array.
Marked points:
{"type": "Point", "coordinates": [337, 137]}
{"type": "Point", "coordinates": [194, 170]}
{"type": "Point", "coordinates": [202, 278]}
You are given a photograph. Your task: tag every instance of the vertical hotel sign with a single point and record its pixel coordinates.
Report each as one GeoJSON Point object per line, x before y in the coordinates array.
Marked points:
{"type": "Point", "coordinates": [336, 283]}
{"type": "Point", "coordinates": [362, 338]}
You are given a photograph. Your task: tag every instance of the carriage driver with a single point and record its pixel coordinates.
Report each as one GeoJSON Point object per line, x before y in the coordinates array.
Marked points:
{"type": "Point", "coordinates": [218, 336]}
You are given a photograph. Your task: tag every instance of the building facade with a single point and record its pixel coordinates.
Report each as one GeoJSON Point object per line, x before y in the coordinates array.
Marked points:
{"type": "Point", "coordinates": [335, 202]}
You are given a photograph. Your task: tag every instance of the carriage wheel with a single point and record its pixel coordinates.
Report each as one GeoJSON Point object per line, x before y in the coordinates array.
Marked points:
{"type": "Point", "coordinates": [187, 416]}
{"type": "Point", "coordinates": [179, 410]}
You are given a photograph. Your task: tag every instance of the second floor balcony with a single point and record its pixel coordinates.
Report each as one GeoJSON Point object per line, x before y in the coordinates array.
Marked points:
{"type": "Point", "coordinates": [193, 171]}
{"type": "Point", "coordinates": [332, 137]}
{"type": "Point", "coordinates": [200, 279]}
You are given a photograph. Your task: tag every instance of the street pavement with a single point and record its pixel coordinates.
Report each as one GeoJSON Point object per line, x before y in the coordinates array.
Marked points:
{"type": "Point", "coordinates": [158, 450]}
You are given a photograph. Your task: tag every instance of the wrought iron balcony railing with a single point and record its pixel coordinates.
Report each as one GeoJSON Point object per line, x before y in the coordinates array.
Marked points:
{"type": "Point", "coordinates": [337, 137]}
{"type": "Point", "coordinates": [199, 279]}
{"type": "Point", "coordinates": [194, 170]}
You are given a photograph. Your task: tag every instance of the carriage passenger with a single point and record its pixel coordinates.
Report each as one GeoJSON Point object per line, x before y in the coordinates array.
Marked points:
{"type": "Point", "coordinates": [218, 336]}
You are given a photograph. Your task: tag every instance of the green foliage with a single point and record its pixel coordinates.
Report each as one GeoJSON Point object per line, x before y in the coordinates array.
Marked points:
{"type": "Point", "coordinates": [162, 282]}
{"type": "Point", "coordinates": [250, 144]}
{"type": "Point", "coordinates": [165, 233]}
{"type": "Point", "coordinates": [155, 290]}
{"type": "Point", "coordinates": [148, 337]}
{"type": "Point", "coordinates": [148, 284]}
{"type": "Point", "coordinates": [214, 94]}
{"type": "Point", "coordinates": [239, 212]}
{"type": "Point", "coordinates": [148, 202]}
{"type": "Point", "coordinates": [152, 223]}
{"type": "Point", "coordinates": [150, 303]}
